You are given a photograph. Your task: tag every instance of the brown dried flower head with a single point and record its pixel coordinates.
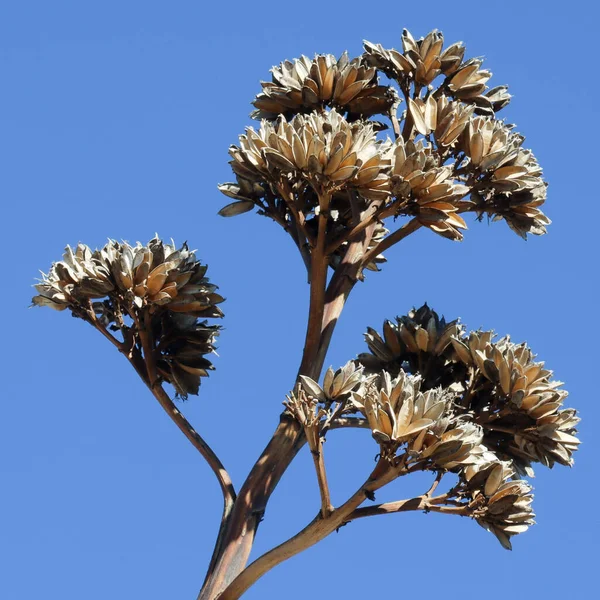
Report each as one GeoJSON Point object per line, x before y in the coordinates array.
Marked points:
{"type": "Point", "coordinates": [323, 150]}
{"type": "Point", "coordinates": [304, 85]}
{"type": "Point", "coordinates": [418, 341]}
{"type": "Point", "coordinates": [318, 139]}
{"type": "Point", "coordinates": [397, 411]}
{"type": "Point", "coordinates": [518, 402]}
{"type": "Point", "coordinates": [125, 288]}
{"type": "Point", "coordinates": [438, 399]}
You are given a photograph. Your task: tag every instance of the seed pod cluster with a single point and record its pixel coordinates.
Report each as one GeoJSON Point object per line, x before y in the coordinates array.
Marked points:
{"type": "Point", "coordinates": [318, 150]}
{"type": "Point", "coordinates": [436, 398]}
{"type": "Point", "coordinates": [304, 85]}
{"type": "Point", "coordinates": [397, 411]}
{"type": "Point", "coordinates": [419, 342]}
{"type": "Point", "coordinates": [156, 288]}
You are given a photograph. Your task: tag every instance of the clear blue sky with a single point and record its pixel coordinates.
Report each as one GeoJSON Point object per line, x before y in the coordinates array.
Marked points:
{"type": "Point", "coordinates": [115, 122]}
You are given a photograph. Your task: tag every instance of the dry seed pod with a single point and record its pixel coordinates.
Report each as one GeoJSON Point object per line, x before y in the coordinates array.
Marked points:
{"type": "Point", "coordinates": [521, 397]}
{"type": "Point", "coordinates": [304, 85]}
{"type": "Point", "coordinates": [499, 386]}
{"type": "Point", "coordinates": [506, 512]}
{"type": "Point", "coordinates": [427, 191]}
{"type": "Point", "coordinates": [323, 150]}
{"type": "Point", "coordinates": [79, 277]}
{"type": "Point", "coordinates": [161, 288]}
{"type": "Point", "coordinates": [454, 448]}
{"type": "Point", "coordinates": [396, 410]}
{"type": "Point", "coordinates": [421, 338]}
{"type": "Point", "coordinates": [154, 275]}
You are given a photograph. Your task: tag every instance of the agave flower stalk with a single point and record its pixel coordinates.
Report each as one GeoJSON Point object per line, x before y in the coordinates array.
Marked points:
{"type": "Point", "coordinates": [435, 399]}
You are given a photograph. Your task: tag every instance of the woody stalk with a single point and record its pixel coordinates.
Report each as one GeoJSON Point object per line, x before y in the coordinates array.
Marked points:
{"type": "Point", "coordinates": [350, 157]}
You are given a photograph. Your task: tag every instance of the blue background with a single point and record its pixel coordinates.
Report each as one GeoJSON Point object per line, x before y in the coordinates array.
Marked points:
{"type": "Point", "coordinates": [115, 122]}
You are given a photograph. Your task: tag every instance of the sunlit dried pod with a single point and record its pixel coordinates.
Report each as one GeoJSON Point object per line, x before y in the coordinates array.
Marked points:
{"type": "Point", "coordinates": [444, 118]}
{"type": "Point", "coordinates": [410, 161]}
{"type": "Point", "coordinates": [78, 278]}
{"type": "Point", "coordinates": [303, 407]}
{"type": "Point", "coordinates": [422, 59]}
{"type": "Point", "coordinates": [160, 274]}
{"type": "Point", "coordinates": [396, 410]}
{"type": "Point", "coordinates": [452, 58]}
{"type": "Point", "coordinates": [506, 511]}
{"type": "Point", "coordinates": [341, 382]}
{"type": "Point", "coordinates": [520, 209]}
{"type": "Point", "coordinates": [158, 289]}
{"type": "Point", "coordinates": [391, 62]}
{"type": "Point", "coordinates": [426, 53]}
{"type": "Point", "coordinates": [304, 85]}
{"type": "Point", "coordinates": [522, 408]}
{"type": "Point", "coordinates": [497, 500]}
{"type": "Point", "coordinates": [247, 195]}
{"type": "Point", "coordinates": [487, 474]}
{"type": "Point", "coordinates": [498, 97]}
{"type": "Point", "coordinates": [421, 330]}
{"type": "Point", "coordinates": [509, 182]}
{"type": "Point", "coordinates": [451, 120]}
{"type": "Point", "coordinates": [427, 191]}
{"type": "Point", "coordinates": [325, 150]}
{"type": "Point", "coordinates": [520, 172]}
{"type": "Point", "coordinates": [469, 81]}
{"type": "Point", "coordinates": [489, 143]}
{"type": "Point", "coordinates": [156, 275]}
{"type": "Point", "coordinates": [336, 384]}
{"type": "Point", "coordinates": [499, 386]}
{"type": "Point", "coordinates": [454, 447]}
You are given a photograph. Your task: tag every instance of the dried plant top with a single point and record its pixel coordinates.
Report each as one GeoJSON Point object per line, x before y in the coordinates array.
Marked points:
{"type": "Point", "coordinates": [440, 400]}
{"type": "Point", "coordinates": [156, 290]}
{"type": "Point", "coordinates": [317, 150]}
{"type": "Point", "coordinates": [474, 411]}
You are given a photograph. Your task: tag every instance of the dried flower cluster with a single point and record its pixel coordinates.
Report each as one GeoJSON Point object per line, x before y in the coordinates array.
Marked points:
{"type": "Point", "coordinates": [156, 290]}
{"type": "Point", "coordinates": [435, 398]}
{"type": "Point", "coordinates": [438, 399]}
{"type": "Point", "coordinates": [317, 148]}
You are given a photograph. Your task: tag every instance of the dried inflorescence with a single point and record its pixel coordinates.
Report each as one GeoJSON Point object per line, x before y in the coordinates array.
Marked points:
{"type": "Point", "coordinates": [320, 154]}
{"type": "Point", "coordinates": [438, 399]}
{"type": "Point", "coordinates": [306, 85]}
{"type": "Point", "coordinates": [497, 500]}
{"type": "Point", "coordinates": [317, 150]}
{"type": "Point", "coordinates": [157, 289]}
{"type": "Point", "coordinates": [419, 342]}
{"type": "Point", "coordinates": [397, 411]}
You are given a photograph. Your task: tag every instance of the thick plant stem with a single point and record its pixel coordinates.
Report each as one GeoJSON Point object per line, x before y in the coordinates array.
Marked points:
{"type": "Point", "coordinates": [338, 290]}
{"type": "Point", "coordinates": [318, 282]}
{"type": "Point", "coordinates": [313, 533]}
{"type": "Point", "coordinates": [250, 506]}
{"type": "Point", "coordinates": [237, 541]}
{"type": "Point", "coordinates": [326, 304]}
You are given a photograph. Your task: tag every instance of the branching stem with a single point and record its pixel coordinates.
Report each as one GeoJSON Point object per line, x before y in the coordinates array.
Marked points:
{"type": "Point", "coordinates": [314, 532]}
{"type": "Point", "coordinates": [408, 228]}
